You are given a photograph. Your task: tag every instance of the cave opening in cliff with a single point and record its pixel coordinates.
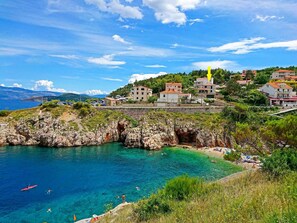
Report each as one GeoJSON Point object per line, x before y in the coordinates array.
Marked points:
{"type": "Point", "coordinates": [188, 138]}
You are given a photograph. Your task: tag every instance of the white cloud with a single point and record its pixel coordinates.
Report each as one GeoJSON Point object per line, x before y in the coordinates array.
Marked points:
{"type": "Point", "coordinates": [193, 21]}
{"type": "Point", "coordinates": [46, 85]}
{"type": "Point", "coordinates": [155, 66]}
{"type": "Point", "coordinates": [171, 11]}
{"type": "Point", "coordinates": [127, 27]}
{"type": "Point", "coordinates": [267, 18]}
{"type": "Point", "coordinates": [139, 77]}
{"type": "Point", "coordinates": [95, 92]}
{"type": "Point", "coordinates": [69, 57]}
{"type": "Point", "coordinates": [117, 38]}
{"type": "Point", "coordinates": [106, 60]}
{"type": "Point", "coordinates": [175, 45]}
{"type": "Point", "coordinates": [249, 45]}
{"type": "Point", "coordinates": [129, 1]}
{"type": "Point", "coordinates": [17, 85]}
{"type": "Point", "coordinates": [115, 7]}
{"type": "Point", "coordinates": [223, 64]}
{"type": "Point", "coordinates": [2, 85]}
{"type": "Point", "coordinates": [112, 79]}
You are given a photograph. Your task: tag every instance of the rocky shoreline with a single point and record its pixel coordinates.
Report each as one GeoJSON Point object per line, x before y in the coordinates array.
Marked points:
{"type": "Point", "coordinates": [153, 131]}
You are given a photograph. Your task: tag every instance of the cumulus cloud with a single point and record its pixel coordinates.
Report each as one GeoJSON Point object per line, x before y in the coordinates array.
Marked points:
{"type": "Point", "coordinates": [106, 60]}
{"type": "Point", "coordinates": [17, 85]}
{"type": "Point", "coordinates": [115, 7]}
{"type": "Point", "coordinates": [249, 45]}
{"type": "Point", "coordinates": [117, 38]}
{"type": "Point", "coordinates": [267, 18]}
{"type": "Point", "coordinates": [112, 79]}
{"type": "Point", "coordinates": [95, 92]}
{"type": "Point", "coordinates": [171, 11]}
{"type": "Point", "coordinates": [223, 64]}
{"type": "Point", "coordinates": [155, 66]}
{"type": "Point", "coordinates": [2, 85]}
{"type": "Point", "coordinates": [46, 85]}
{"type": "Point", "coordinates": [140, 77]}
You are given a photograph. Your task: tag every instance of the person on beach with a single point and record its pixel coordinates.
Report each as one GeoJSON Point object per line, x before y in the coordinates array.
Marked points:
{"type": "Point", "coordinates": [123, 198]}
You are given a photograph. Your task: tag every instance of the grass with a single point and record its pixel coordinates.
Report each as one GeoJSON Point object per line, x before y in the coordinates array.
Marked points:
{"type": "Point", "coordinates": [252, 197]}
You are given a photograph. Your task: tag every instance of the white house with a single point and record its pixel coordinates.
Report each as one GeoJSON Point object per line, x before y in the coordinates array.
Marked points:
{"type": "Point", "coordinates": [280, 94]}
{"type": "Point", "coordinates": [282, 74]}
{"type": "Point", "coordinates": [172, 95]}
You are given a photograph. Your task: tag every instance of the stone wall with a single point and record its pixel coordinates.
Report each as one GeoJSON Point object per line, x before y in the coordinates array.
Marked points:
{"type": "Point", "coordinates": [137, 112]}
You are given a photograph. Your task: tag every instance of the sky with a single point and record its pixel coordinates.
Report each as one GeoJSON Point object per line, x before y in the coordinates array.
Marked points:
{"type": "Point", "coordinates": [96, 46]}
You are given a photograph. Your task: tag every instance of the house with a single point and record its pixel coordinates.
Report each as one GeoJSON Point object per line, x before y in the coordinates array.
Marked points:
{"type": "Point", "coordinates": [176, 87]}
{"type": "Point", "coordinates": [205, 87]}
{"type": "Point", "coordinates": [172, 95]}
{"type": "Point", "coordinates": [244, 82]}
{"type": "Point", "coordinates": [282, 74]}
{"type": "Point", "coordinates": [244, 72]}
{"type": "Point", "coordinates": [280, 94]}
{"type": "Point", "coordinates": [291, 78]}
{"type": "Point", "coordinates": [141, 93]}
{"type": "Point", "coordinates": [111, 101]}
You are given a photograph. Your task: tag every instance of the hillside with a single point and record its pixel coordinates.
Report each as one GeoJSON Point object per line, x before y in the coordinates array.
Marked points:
{"type": "Point", "coordinates": [13, 93]}
{"type": "Point", "coordinates": [220, 77]}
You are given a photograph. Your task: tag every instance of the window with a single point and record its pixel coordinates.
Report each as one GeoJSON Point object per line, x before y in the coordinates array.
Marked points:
{"type": "Point", "coordinates": [142, 93]}
{"type": "Point", "coordinates": [142, 98]}
{"type": "Point", "coordinates": [142, 89]}
{"type": "Point", "coordinates": [137, 98]}
{"type": "Point", "coordinates": [163, 95]}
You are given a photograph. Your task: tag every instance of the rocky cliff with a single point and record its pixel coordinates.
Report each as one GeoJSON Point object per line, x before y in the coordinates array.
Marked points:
{"type": "Point", "coordinates": [64, 127]}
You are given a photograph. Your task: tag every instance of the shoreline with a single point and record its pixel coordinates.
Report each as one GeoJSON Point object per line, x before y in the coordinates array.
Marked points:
{"type": "Point", "coordinates": [211, 152]}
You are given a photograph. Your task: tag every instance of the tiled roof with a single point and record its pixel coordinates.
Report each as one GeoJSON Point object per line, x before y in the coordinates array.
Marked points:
{"type": "Point", "coordinates": [277, 85]}
{"type": "Point", "coordinates": [284, 71]}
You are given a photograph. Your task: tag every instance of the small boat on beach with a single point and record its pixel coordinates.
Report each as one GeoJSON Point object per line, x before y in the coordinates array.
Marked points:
{"type": "Point", "coordinates": [29, 187]}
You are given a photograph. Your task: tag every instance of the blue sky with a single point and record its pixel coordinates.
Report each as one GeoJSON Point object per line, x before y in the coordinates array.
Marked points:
{"type": "Point", "coordinates": [96, 46]}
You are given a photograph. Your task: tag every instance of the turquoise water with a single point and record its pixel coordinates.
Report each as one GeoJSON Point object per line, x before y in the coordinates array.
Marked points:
{"type": "Point", "coordinates": [83, 180]}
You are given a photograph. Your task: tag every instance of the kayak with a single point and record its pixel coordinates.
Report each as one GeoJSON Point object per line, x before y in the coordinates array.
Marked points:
{"type": "Point", "coordinates": [29, 187]}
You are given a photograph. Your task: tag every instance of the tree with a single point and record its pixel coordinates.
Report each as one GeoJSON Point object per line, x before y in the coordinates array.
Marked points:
{"type": "Point", "coordinates": [232, 88]}
{"type": "Point", "coordinates": [249, 75]}
{"type": "Point", "coordinates": [261, 79]}
{"type": "Point", "coordinates": [281, 132]}
{"type": "Point", "coordinates": [152, 99]}
{"type": "Point", "coordinates": [254, 97]}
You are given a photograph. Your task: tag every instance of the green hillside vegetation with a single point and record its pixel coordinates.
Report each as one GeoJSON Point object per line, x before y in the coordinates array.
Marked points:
{"type": "Point", "coordinates": [234, 92]}
{"type": "Point", "coordinates": [70, 97]}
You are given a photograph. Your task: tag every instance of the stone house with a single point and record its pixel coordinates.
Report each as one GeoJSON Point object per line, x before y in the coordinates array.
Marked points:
{"type": "Point", "coordinates": [141, 93]}
{"type": "Point", "coordinates": [282, 74]}
{"type": "Point", "coordinates": [205, 87]}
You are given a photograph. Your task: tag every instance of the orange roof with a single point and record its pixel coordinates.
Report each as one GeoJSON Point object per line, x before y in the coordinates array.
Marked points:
{"type": "Point", "coordinates": [291, 77]}
{"type": "Point", "coordinates": [174, 84]}
{"type": "Point", "coordinates": [277, 85]}
{"type": "Point", "coordinates": [284, 71]}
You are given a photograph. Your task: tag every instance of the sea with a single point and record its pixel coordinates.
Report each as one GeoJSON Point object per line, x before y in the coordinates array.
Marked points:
{"type": "Point", "coordinates": [17, 104]}
{"type": "Point", "coordinates": [86, 180]}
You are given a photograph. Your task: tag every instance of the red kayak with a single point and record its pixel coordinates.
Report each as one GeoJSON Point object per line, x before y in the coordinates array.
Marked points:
{"type": "Point", "coordinates": [29, 187]}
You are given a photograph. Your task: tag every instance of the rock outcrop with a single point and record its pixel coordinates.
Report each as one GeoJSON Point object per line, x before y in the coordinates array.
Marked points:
{"type": "Point", "coordinates": [153, 132]}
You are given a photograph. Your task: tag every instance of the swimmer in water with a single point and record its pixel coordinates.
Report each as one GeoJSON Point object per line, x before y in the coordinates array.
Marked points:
{"type": "Point", "coordinates": [137, 188]}
{"type": "Point", "coordinates": [49, 191]}
{"type": "Point", "coordinates": [49, 210]}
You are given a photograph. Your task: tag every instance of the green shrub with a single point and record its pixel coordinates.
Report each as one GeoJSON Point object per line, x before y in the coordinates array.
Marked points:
{"type": "Point", "coordinates": [151, 207]}
{"type": "Point", "coordinates": [232, 156]}
{"type": "Point", "coordinates": [50, 104]}
{"type": "Point", "coordinates": [183, 187]}
{"type": "Point", "coordinates": [79, 105]}
{"type": "Point", "coordinates": [4, 113]}
{"type": "Point", "coordinates": [108, 207]}
{"type": "Point", "coordinates": [280, 162]}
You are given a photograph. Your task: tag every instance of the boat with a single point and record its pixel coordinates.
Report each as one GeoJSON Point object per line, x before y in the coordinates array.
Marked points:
{"type": "Point", "coordinates": [29, 187]}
